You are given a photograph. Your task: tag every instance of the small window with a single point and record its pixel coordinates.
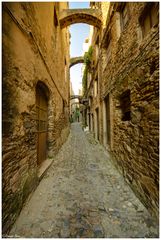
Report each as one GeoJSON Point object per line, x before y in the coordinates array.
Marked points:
{"type": "Point", "coordinates": [124, 14]}
{"type": "Point", "coordinates": [97, 41]}
{"type": "Point", "coordinates": [149, 18]}
{"type": "Point", "coordinates": [55, 18]}
{"type": "Point", "coordinates": [108, 47]}
{"type": "Point", "coordinates": [97, 47]}
{"type": "Point", "coordinates": [125, 104]}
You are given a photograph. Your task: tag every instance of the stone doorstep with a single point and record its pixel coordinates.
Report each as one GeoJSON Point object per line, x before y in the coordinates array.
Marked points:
{"type": "Point", "coordinates": [44, 167]}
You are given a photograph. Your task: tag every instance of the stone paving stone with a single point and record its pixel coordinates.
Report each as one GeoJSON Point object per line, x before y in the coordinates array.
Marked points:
{"type": "Point", "coordinates": [83, 196]}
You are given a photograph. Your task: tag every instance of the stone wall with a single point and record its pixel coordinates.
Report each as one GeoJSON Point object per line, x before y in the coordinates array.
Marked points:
{"type": "Point", "coordinates": [35, 49]}
{"type": "Point", "coordinates": [132, 66]}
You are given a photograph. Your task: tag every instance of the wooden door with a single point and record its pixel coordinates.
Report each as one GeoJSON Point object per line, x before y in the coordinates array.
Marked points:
{"type": "Point", "coordinates": [42, 118]}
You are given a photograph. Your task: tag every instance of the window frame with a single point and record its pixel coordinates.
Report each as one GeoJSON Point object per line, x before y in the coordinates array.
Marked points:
{"type": "Point", "coordinates": [147, 14]}
{"type": "Point", "coordinates": [125, 108]}
{"type": "Point", "coordinates": [122, 18]}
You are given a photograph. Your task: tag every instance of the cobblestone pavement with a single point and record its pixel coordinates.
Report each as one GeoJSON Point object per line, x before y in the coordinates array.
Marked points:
{"type": "Point", "coordinates": [82, 195]}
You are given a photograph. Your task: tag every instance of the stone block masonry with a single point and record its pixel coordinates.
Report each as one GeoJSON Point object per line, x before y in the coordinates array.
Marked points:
{"type": "Point", "coordinates": [35, 53]}
{"type": "Point", "coordinates": [136, 140]}
{"type": "Point", "coordinates": [128, 79]}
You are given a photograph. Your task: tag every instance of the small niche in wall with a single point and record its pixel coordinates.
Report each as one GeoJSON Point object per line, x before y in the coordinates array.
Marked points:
{"type": "Point", "coordinates": [125, 104]}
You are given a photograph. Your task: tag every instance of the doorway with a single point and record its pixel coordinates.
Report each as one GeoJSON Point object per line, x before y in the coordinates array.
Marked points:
{"type": "Point", "coordinates": [97, 124]}
{"type": "Point", "coordinates": [42, 122]}
{"type": "Point", "coordinates": [92, 122]}
{"type": "Point", "coordinates": [107, 123]}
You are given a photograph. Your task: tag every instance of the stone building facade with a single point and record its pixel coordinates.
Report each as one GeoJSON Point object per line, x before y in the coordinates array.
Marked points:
{"type": "Point", "coordinates": [123, 93]}
{"type": "Point", "coordinates": [35, 97]}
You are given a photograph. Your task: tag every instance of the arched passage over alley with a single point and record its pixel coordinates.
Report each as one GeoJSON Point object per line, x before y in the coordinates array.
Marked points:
{"type": "Point", "coordinates": [89, 16]}
{"type": "Point", "coordinates": [66, 150]}
{"type": "Point", "coordinates": [76, 60]}
{"type": "Point", "coordinates": [75, 96]}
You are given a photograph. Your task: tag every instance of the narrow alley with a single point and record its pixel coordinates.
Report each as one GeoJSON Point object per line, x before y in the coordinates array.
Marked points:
{"type": "Point", "coordinates": [80, 119]}
{"type": "Point", "coordinates": [83, 195]}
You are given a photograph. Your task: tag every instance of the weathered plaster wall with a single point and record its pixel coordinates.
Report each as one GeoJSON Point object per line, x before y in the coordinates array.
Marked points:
{"type": "Point", "coordinates": [34, 50]}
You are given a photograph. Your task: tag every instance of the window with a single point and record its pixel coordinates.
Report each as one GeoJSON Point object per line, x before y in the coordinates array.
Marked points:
{"type": "Point", "coordinates": [55, 18]}
{"type": "Point", "coordinates": [125, 104]}
{"type": "Point", "coordinates": [149, 18]}
{"type": "Point", "coordinates": [108, 47]}
{"type": "Point", "coordinates": [97, 47]}
{"type": "Point", "coordinates": [124, 16]}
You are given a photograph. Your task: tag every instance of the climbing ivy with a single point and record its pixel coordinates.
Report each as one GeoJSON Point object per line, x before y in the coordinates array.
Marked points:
{"type": "Point", "coordinates": [88, 56]}
{"type": "Point", "coordinates": [84, 80]}
{"type": "Point", "coordinates": [87, 62]}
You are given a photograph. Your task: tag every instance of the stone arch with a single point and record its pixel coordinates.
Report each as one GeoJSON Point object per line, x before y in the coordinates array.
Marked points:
{"type": "Point", "coordinates": [76, 60]}
{"type": "Point", "coordinates": [75, 96]}
{"type": "Point", "coordinates": [88, 16]}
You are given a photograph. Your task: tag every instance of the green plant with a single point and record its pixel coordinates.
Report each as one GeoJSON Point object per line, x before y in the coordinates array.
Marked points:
{"type": "Point", "coordinates": [84, 80]}
{"type": "Point", "coordinates": [88, 56]}
{"type": "Point", "coordinates": [87, 62]}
